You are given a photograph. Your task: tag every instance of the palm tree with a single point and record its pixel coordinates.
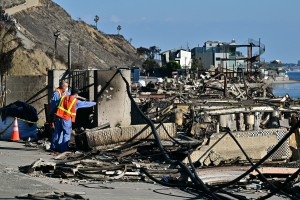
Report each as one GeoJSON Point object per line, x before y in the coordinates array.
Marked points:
{"type": "Point", "coordinates": [96, 19]}
{"type": "Point", "coordinates": [119, 28]}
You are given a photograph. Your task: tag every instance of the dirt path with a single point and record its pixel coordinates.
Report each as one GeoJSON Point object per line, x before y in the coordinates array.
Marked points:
{"type": "Point", "coordinates": [26, 5]}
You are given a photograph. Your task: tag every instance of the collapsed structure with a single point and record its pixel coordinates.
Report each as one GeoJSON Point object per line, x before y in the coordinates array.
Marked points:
{"type": "Point", "coordinates": [173, 132]}
{"type": "Point", "coordinates": [197, 108]}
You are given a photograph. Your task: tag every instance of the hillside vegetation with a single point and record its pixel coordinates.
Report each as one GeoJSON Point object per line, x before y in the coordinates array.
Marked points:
{"type": "Point", "coordinates": [90, 48]}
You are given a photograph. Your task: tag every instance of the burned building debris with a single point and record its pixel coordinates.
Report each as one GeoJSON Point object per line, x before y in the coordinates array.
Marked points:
{"type": "Point", "coordinates": [212, 137]}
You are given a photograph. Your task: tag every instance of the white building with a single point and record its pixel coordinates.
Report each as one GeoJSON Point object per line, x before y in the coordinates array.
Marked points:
{"type": "Point", "coordinates": [183, 57]}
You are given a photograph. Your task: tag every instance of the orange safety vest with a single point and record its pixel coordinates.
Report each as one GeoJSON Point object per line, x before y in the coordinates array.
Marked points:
{"type": "Point", "coordinates": [60, 92]}
{"type": "Point", "coordinates": [66, 108]}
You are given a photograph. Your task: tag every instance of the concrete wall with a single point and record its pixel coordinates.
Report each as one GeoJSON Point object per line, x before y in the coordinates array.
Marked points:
{"type": "Point", "coordinates": [113, 105]}
{"type": "Point", "coordinates": [255, 143]}
{"type": "Point", "coordinates": [34, 90]}
{"type": "Point", "coordinates": [30, 89]}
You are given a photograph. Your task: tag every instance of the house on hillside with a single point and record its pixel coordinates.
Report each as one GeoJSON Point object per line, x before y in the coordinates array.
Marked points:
{"type": "Point", "coordinates": [182, 56]}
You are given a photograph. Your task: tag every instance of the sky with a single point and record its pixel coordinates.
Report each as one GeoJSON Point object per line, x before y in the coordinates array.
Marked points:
{"type": "Point", "coordinates": [173, 24]}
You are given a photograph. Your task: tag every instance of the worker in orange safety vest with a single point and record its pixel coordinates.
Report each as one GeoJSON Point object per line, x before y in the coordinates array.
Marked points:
{"type": "Point", "coordinates": [59, 92]}
{"type": "Point", "coordinates": [64, 116]}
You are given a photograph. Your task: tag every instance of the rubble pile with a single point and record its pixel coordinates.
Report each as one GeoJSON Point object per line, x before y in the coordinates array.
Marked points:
{"type": "Point", "coordinates": [144, 161]}
{"type": "Point", "coordinates": [190, 132]}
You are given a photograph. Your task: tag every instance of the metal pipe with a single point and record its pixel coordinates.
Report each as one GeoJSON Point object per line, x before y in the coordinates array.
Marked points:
{"type": "Point", "coordinates": [69, 56]}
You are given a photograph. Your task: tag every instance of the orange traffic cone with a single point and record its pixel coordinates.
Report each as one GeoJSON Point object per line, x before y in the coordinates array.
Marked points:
{"type": "Point", "coordinates": [15, 135]}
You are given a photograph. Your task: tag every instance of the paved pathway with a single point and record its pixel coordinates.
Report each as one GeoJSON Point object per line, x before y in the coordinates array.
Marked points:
{"type": "Point", "coordinates": [14, 183]}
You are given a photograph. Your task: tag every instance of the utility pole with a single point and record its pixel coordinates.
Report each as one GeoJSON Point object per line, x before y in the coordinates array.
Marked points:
{"type": "Point", "coordinates": [69, 60]}
{"type": "Point", "coordinates": [56, 35]}
{"type": "Point", "coordinates": [69, 55]}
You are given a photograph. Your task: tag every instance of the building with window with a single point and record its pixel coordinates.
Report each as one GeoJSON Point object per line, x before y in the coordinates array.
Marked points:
{"type": "Point", "coordinates": [226, 58]}
{"type": "Point", "coordinates": [221, 55]}
{"type": "Point", "coordinates": [183, 57]}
